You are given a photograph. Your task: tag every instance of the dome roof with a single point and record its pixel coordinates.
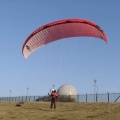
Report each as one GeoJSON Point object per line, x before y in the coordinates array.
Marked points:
{"type": "Point", "coordinates": [67, 89]}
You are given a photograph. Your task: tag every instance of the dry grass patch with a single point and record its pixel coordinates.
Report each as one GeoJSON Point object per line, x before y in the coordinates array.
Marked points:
{"type": "Point", "coordinates": [65, 111]}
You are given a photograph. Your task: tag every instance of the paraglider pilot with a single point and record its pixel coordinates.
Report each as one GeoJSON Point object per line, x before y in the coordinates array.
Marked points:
{"type": "Point", "coordinates": [53, 96]}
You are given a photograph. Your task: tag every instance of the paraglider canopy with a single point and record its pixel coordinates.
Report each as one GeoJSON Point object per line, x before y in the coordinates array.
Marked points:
{"type": "Point", "coordinates": [61, 29]}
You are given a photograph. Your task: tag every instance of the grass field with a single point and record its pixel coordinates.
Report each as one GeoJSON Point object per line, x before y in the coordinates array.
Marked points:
{"type": "Point", "coordinates": [64, 111]}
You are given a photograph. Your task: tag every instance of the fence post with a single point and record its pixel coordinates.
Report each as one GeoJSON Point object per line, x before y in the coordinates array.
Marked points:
{"type": "Point", "coordinates": [96, 98]}
{"type": "Point", "coordinates": [108, 97]}
{"type": "Point", "coordinates": [86, 97]}
{"type": "Point", "coordinates": [34, 98]}
{"type": "Point", "coordinates": [29, 98]}
{"type": "Point", "coordinates": [22, 98]}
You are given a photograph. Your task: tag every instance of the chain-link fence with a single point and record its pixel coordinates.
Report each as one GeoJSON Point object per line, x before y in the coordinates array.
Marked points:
{"type": "Point", "coordinates": [107, 97]}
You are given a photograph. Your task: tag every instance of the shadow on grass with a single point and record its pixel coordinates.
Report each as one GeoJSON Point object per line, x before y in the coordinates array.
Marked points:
{"type": "Point", "coordinates": [37, 109]}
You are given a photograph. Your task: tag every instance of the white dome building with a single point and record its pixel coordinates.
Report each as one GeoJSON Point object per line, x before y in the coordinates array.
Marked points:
{"type": "Point", "coordinates": [67, 93]}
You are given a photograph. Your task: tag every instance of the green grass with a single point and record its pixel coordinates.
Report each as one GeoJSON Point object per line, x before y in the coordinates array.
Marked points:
{"type": "Point", "coordinates": [64, 111]}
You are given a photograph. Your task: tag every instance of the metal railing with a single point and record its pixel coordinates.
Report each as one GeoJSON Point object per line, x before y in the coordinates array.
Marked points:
{"type": "Point", "coordinates": [107, 97]}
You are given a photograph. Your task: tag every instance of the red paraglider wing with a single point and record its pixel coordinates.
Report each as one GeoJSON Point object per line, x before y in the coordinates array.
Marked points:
{"type": "Point", "coordinates": [61, 29]}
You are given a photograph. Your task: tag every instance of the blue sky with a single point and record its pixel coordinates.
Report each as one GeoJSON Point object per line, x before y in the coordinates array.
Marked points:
{"type": "Point", "coordinates": [76, 61]}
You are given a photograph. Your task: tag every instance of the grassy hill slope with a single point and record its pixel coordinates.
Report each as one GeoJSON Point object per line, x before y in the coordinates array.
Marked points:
{"type": "Point", "coordinates": [64, 111]}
